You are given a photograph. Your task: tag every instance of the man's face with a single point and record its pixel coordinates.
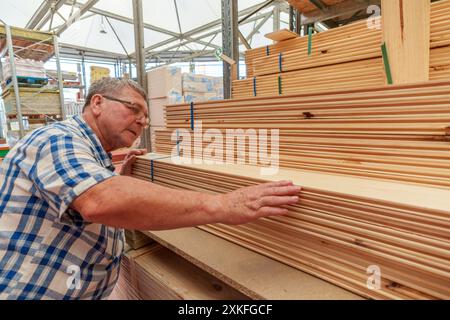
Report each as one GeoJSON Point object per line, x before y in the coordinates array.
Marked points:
{"type": "Point", "coordinates": [119, 124]}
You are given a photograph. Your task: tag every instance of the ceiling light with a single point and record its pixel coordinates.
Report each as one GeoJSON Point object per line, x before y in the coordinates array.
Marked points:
{"type": "Point", "coordinates": [102, 27]}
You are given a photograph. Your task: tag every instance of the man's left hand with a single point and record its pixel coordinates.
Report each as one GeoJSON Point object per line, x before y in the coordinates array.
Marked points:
{"type": "Point", "coordinates": [129, 160]}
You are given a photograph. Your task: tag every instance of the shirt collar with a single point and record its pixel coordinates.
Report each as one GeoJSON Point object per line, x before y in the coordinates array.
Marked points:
{"type": "Point", "coordinates": [86, 130]}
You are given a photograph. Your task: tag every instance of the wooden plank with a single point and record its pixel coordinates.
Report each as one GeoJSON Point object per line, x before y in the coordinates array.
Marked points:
{"type": "Point", "coordinates": [281, 35]}
{"type": "Point", "coordinates": [161, 274]}
{"type": "Point", "coordinates": [406, 32]}
{"type": "Point", "coordinates": [27, 34]}
{"type": "Point", "coordinates": [248, 272]}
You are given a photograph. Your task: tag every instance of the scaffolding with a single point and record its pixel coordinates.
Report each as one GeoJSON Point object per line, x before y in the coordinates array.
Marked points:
{"type": "Point", "coordinates": [18, 43]}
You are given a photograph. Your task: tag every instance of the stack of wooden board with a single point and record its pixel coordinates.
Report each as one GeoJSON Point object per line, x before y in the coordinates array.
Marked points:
{"type": "Point", "coordinates": [440, 63]}
{"type": "Point", "coordinates": [353, 42]}
{"type": "Point", "coordinates": [156, 273]}
{"type": "Point", "coordinates": [257, 276]}
{"type": "Point", "coordinates": [344, 57]}
{"type": "Point", "coordinates": [354, 74]}
{"type": "Point", "coordinates": [342, 229]}
{"type": "Point", "coordinates": [126, 287]}
{"type": "Point", "coordinates": [393, 132]}
{"type": "Point", "coordinates": [34, 101]}
{"type": "Point", "coordinates": [136, 239]}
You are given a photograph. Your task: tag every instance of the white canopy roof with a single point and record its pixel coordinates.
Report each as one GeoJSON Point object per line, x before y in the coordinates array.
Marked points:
{"type": "Point", "coordinates": [160, 19]}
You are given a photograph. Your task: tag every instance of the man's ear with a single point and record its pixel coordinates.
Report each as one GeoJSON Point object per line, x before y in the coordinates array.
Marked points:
{"type": "Point", "coordinates": [96, 104]}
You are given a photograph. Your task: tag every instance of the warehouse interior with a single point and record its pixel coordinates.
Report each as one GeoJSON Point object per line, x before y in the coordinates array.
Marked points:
{"type": "Point", "coordinates": [348, 99]}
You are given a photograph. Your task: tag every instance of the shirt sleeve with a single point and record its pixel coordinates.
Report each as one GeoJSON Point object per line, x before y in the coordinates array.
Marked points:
{"type": "Point", "coordinates": [65, 167]}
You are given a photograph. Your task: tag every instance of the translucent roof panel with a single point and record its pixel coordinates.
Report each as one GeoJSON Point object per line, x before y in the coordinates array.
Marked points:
{"type": "Point", "coordinates": [88, 31]}
{"type": "Point", "coordinates": [18, 12]}
{"type": "Point", "coordinates": [99, 32]}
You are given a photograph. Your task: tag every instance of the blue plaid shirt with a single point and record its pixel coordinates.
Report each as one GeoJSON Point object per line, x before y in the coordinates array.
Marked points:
{"type": "Point", "coordinates": [47, 250]}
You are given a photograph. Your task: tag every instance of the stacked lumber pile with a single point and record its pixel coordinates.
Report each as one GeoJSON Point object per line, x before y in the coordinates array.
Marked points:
{"type": "Point", "coordinates": [126, 286]}
{"type": "Point", "coordinates": [372, 160]}
{"type": "Point", "coordinates": [341, 227]}
{"type": "Point", "coordinates": [344, 222]}
{"type": "Point", "coordinates": [35, 101]}
{"type": "Point", "coordinates": [136, 239]}
{"type": "Point", "coordinates": [156, 273]}
{"type": "Point", "coordinates": [344, 57]}
{"type": "Point", "coordinates": [395, 132]}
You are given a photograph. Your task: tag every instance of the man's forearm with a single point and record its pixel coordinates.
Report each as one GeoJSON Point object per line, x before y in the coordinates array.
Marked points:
{"type": "Point", "coordinates": [135, 204]}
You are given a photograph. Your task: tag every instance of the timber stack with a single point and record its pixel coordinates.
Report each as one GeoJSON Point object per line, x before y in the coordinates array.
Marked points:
{"type": "Point", "coordinates": [369, 150]}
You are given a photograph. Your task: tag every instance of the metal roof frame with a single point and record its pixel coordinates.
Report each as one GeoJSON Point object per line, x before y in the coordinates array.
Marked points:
{"type": "Point", "coordinates": [177, 40]}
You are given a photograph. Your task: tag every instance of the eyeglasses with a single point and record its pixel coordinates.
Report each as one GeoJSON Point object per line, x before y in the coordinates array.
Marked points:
{"type": "Point", "coordinates": [138, 113]}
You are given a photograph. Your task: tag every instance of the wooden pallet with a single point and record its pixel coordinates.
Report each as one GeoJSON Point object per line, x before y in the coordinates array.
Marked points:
{"type": "Point", "coordinates": [29, 81]}
{"type": "Point", "coordinates": [39, 44]}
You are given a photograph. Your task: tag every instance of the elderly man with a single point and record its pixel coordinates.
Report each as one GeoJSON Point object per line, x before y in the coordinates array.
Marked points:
{"type": "Point", "coordinates": [62, 208]}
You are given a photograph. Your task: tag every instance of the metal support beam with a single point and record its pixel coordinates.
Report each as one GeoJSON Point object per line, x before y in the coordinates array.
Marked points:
{"type": "Point", "coordinates": [59, 73]}
{"type": "Point", "coordinates": [295, 18]}
{"type": "Point", "coordinates": [73, 50]}
{"type": "Point", "coordinates": [264, 16]}
{"type": "Point", "coordinates": [186, 58]}
{"type": "Point", "coordinates": [178, 17]}
{"type": "Point", "coordinates": [276, 18]}
{"type": "Point", "coordinates": [83, 70]}
{"type": "Point", "coordinates": [256, 10]}
{"type": "Point", "coordinates": [138, 18]}
{"type": "Point", "coordinates": [54, 6]}
{"type": "Point", "coordinates": [208, 26]}
{"type": "Point", "coordinates": [117, 17]}
{"type": "Point", "coordinates": [139, 42]}
{"type": "Point", "coordinates": [244, 41]}
{"type": "Point", "coordinates": [117, 37]}
{"type": "Point", "coordinates": [38, 14]}
{"type": "Point", "coordinates": [82, 84]}
{"type": "Point", "coordinates": [73, 18]}
{"type": "Point", "coordinates": [1, 71]}
{"type": "Point", "coordinates": [264, 19]}
{"type": "Point", "coordinates": [124, 19]}
{"type": "Point", "coordinates": [230, 44]}
{"type": "Point", "coordinates": [14, 80]}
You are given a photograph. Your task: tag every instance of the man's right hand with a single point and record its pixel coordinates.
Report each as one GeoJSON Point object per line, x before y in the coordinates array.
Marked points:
{"type": "Point", "coordinates": [247, 204]}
